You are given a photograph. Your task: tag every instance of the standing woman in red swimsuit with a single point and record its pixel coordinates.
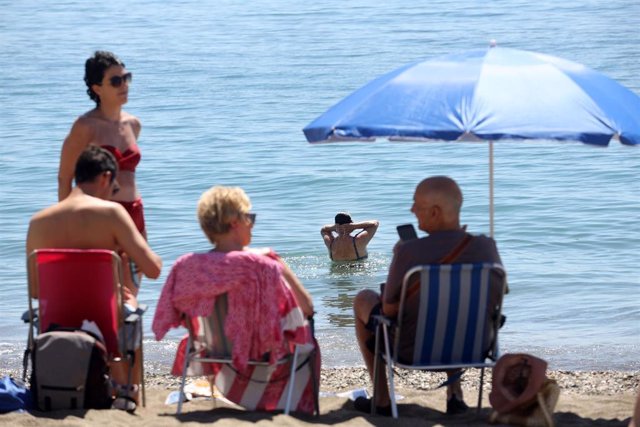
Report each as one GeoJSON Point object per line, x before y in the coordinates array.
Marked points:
{"type": "Point", "coordinates": [108, 126]}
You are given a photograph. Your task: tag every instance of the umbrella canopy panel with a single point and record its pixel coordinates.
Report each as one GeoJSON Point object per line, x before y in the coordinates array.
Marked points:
{"type": "Point", "coordinates": [489, 94]}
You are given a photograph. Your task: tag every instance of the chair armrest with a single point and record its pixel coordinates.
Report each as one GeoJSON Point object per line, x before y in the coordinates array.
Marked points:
{"type": "Point", "coordinates": [136, 316]}
{"type": "Point", "coordinates": [499, 320]}
{"type": "Point", "coordinates": [312, 324]}
{"type": "Point", "coordinates": [132, 318]}
{"type": "Point", "coordinates": [381, 319]}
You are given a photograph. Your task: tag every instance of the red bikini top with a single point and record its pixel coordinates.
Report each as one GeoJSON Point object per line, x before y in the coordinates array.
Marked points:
{"type": "Point", "coordinates": [128, 160]}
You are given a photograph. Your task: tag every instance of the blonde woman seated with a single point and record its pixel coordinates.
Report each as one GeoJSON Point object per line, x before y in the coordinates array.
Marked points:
{"type": "Point", "coordinates": [268, 307]}
{"type": "Point", "coordinates": [343, 246]}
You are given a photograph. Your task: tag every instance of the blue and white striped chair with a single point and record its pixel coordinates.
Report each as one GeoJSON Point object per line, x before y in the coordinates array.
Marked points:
{"type": "Point", "coordinates": [459, 314]}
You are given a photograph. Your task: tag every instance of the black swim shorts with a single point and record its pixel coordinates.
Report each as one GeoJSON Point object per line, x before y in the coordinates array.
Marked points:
{"type": "Point", "coordinates": [372, 324]}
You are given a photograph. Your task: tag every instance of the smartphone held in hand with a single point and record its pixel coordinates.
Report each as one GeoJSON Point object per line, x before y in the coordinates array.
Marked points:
{"type": "Point", "coordinates": [407, 232]}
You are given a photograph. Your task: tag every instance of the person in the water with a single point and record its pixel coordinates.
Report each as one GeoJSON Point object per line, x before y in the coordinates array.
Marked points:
{"type": "Point", "coordinates": [341, 244]}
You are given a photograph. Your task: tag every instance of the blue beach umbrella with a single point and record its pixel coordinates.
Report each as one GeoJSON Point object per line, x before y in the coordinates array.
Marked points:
{"type": "Point", "coordinates": [486, 94]}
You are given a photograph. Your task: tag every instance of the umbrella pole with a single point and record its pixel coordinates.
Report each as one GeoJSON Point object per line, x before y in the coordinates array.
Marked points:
{"type": "Point", "coordinates": [491, 189]}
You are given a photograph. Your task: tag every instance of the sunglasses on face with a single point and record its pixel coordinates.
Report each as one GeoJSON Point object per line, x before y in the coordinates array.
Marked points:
{"type": "Point", "coordinates": [251, 217]}
{"type": "Point", "coordinates": [116, 81]}
{"type": "Point", "coordinates": [112, 180]}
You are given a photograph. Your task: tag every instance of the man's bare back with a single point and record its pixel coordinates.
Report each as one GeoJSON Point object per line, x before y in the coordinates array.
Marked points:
{"type": "Point", "coordinates": [86, 220]}
{"type": "Point", "coordinates": [80, 221]}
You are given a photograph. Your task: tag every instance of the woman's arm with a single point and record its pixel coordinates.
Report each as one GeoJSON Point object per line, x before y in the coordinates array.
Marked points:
{"type": "Point", "coordinates": [369, 229]}
{"type": "Point", "coordinates": [303, 297]}
{"type": "Point", "coordinates": [136, 126]}
{"type": "Point", "coordinates": [327, 234]}
{"type": "Point", "coordinates": [77, 140]}
{"type": "Point", "coordinates": [131, 241]}
{"type": "Point", "coordinates": [327, 229]}
{"type": "Point", "coordinates": [371, 225]}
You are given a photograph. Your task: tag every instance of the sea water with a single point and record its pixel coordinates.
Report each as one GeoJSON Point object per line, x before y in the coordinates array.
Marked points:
{"type": "Point", "coordinates": [223, 89]}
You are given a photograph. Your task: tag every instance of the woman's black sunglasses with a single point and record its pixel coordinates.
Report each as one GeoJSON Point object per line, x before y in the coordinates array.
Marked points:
{"type": "Point", "coordinates": [116, 81]}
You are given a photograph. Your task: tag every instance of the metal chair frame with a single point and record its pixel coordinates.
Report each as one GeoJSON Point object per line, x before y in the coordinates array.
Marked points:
{"type": "Point", "coordinates": [385, 325]}
{"type": "Point", "coordinates": [224, 357]}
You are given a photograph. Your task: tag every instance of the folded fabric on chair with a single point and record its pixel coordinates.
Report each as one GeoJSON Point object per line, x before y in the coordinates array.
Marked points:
{"type": "Point", "coordinates": [255, 289]}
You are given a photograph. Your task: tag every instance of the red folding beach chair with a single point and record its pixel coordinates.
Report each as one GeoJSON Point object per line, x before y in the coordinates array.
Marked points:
{"type": "Point", "coordinates": [74, 285]}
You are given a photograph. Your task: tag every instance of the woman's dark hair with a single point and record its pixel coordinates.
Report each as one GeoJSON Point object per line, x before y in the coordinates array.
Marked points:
{"type": "Point", "coordinates": [94, 161]}
{"type": "Point", "coordinates": [94, 70]}
{"type": "Point", "coordinates": [343, 218]}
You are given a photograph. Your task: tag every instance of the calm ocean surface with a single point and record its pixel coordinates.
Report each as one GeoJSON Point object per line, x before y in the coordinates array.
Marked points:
{"type": "Point", "coordinates": [223, 89]}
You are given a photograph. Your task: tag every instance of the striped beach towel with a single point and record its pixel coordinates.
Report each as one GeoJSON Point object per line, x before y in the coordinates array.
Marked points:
{"type": "Point", "coordinates": [256, 387]}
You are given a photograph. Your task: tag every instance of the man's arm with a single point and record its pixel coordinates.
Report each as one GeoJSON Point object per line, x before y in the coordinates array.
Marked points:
{"type": "Point", "coordinates": [302, 295]}
{"type": "Point", "coordinates": [390, 310]}
{"type": "Point", "coordinates": [393, 286]}
{"type": "Point", "coordinates": [129, 239]}
{"type": "Point", "coordinates": [497, 259]}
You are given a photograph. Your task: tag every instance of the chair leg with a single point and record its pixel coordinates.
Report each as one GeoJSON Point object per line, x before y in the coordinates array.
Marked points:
{"type": "Point", "coordinates": [144, 393]}
{"type": "Point", "coordinates": [392, 393]}
{"type": "Point", "coordinates": [25, 363]}
{"type": "Point", "coordinates": [292, 379]}
{"type": "Point", "coordinates": [184, 375]}
{"type": "Point", "coordinates": [34, 329]}
{"type": "Point", "coordinates": [480, 391]}
{"type": "Point", "coordinates": [315, 378]}
{"type": "Point", "coordinates": [212, 388]}
{"type": "Point", "coordinates": [131, 361]}
{"type": "Point", "coordinates": [27, 354]}
{"type": "Point", "coordinates": [376, 361]}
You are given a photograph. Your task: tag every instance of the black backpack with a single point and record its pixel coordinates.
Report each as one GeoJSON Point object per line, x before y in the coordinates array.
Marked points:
{"type": "Point", "coordinates": [70, 370]}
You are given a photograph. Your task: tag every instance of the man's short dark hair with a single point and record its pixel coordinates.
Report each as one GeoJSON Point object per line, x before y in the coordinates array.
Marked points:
{"type": "Point", "coordinates": [93, 162]}
{"type": "Point", "coordinates": [94, 69]}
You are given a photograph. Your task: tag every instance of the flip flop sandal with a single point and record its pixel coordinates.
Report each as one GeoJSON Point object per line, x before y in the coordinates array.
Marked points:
{"type": "Point", "coordinates": [123, 400]}
{"type": "Point", "coordinates": [124, 403]}
{"type": "Point", "coordinates": [123, 390]}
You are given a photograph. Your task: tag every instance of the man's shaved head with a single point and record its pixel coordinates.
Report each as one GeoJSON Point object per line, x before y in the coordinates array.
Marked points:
{"type": "Point", "coordinates": [442, 193]}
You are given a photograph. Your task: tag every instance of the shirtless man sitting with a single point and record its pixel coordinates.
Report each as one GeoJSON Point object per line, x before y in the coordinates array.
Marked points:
{"type": "Point", "coordinates": [86, 219]}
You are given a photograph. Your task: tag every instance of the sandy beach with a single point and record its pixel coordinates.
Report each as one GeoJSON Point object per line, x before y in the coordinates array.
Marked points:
{"type": "Point", "coordinates": [587, 399]}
